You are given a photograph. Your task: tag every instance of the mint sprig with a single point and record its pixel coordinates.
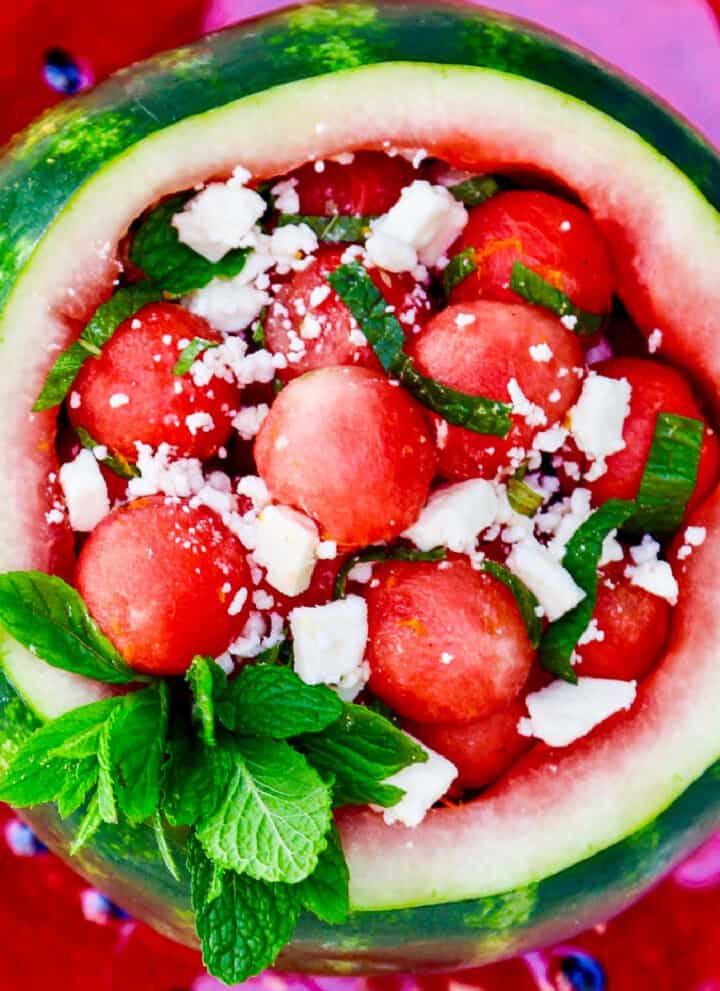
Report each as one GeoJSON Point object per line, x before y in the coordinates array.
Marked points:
{"type": "Point", "coordinates": [101, 327]}
{"type": "Point", "coordinates": [325, 892]}
{"type": "Point", "coordinates": [172, 265]}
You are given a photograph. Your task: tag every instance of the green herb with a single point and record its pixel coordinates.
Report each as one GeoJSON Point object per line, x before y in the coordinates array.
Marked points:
{"type": "Point", "coordinates": [107, 806]}
{"type": "Point", "coordinates": [189, 353]}
{"type": "Point", "coordinates": [137, 749]}
{"type": "Point", "coordinates": [357, 290]}
{"type": "Point", "coordinates": [89, 825]}
{"type": "Point", "coordinates": [115, 462]}
{"type": "Point", "coordinates": [257, 335]}
{"type": "Point", "coordinates": [533, 288]}
{"type": "Point", "coordinates": [581, 558]}
{"type": "Point", "coordinates": [457, 269]}
{"type": "Point", "coordinates": [48, 617]}
{"type": "Point", "coordinates": [274, 702]}
{"type": "Point", "coordinates": [382, 553]}
{"type": "Point", "coordinates": [359, 752]}
{"type": "Point", "coordinates": [103, 324]}
{"type": "Point", "coordinates": [208, 682]}
{"type": "Point", "coordinates": [175, 267]}
{"type": "Point", "coordinates": [273, 820]}
{"type": "Point", "coordinates": [242, 923]}
{"type": "Point", "coordinates": [338, 229]}
{"type": "Point", "coordinates": [195, 779]}
{"type": "Point", "coordinates": [669, 476]}
{"type": "Point", "coordinates": [163, 846]}
{"type": "Point", "coordinates": [475, 190]}
{"type": "Point", "coordinates": [522, 497]}
{"type": "Point", "coordinates": [325, 893]}
{"type": "Point", "coordinates": [526, 601]}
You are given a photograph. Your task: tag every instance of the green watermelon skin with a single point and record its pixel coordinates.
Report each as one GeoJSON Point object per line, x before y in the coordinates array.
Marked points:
{"type": "Point", "coordinates": [38, 178]}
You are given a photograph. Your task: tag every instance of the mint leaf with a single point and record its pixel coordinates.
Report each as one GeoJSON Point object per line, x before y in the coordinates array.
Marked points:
{"type": "Point", "coordinates": [188, 354]}
{"type": "Point", "coordinates": [208, 682]}
{"type": "Point", "coordinates": [581, 557]}
{"type": "Point", "coordinates": [535, 290]}
{"type": "Point", "coordinates": [325, 893]}
{"type": "Point", "coordinates": [107, 807]}
{"type": "Point", "coordinates": [242, 923]}
{"type": "Point", "coordinates": [103, 324]}
{"type": "Point", "coordinates": [48, 617]}
{"type": "Point", "coordinates": [77, 733]}
{"type": "Point", "coordinates": [522, 497]}
{"type": "Point", "coordinates": [669, 476]}
{"type": "Point", "coordinates": [137, 748]}
{"type": "Point", "coordinates": [338, 229]}
{"type": "Point", "coordinates": [195, 779]}
{"type": "Point", "coordinates": [115, 462]}
{"type": "Point", "coordinates": [270, 701]}
{"type": "Point", "coordinates": [359, 751]}
{"type": "Point", "coordinates": [381, 553]}
{"type": "Point", "coordinates": [526, 600]}
{"type": "Point", "coordinates": [475, 190]}
{"type": "Point", "coordinates": [175, 267]}
{"type": "Point", "coordinates": [163, 846]}
{"type": "Point", "coordinates": [273, 819]}
{"type": "Point", "coordinates": [457, 269]}
{"type": "Point", "coordinates": [78, 780]}
{"type": "Point", "coordinates": [91, 822]}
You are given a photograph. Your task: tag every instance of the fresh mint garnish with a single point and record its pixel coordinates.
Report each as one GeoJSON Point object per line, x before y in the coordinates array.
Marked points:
{"type": "Point", "coordinates": [475, 190]}
{"type": "Point", "coordinates": [115, 462]}
{"type": "Point", "coordinates": [669, 476]}
{"type": "Point", "coordinates": [526, 601]}
{"type": "Point", "coordinates": [522, 497]}
{"type": "Point", "coordinates": [195, 779]}
{"type": "Point", "coordinates": [190, 352]}
{"type": "Point", "coordinates": [325, 893]}
{"type": "Point", "coordinates": [581, 557]}
{"type": "Point", "coordinates": [172, 265]}
{"type": "Point", "coordinates": [137, 748]}
{"type": "Point", "coordinates": [208, 682]}
{"type": "Point", "coordinates": [382, 553]}
{"type": "Point", "coordinates": [457, 269]}
{"type": "Point", "coordinates": [356, 289]}
{"type": "Point", "coordinates": [535, 290]}
{"type": "Point", "coordinates": [338, 229]}
{"type": "Point", "coordinates": [161, 839]}
{"type": "Point", "coordinates": [47, 616]}
{"type": "Point", "coordinates": [102, 325]}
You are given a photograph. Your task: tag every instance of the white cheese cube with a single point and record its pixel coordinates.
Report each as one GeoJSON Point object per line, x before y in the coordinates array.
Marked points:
{"type": "Point", "coordinates": [421, 226]}
{"type": "Point", "coordinates": [218, 218]}
{"type": "Point", "coordinates": [229, 305]}
{"type": "Point", "coordinates": [598, 417]}
{"type": "Point", "coordinates": [423, 784]}
{"type": "Point", "coordinates": [330, 642]}
{"type": "Point", "coordinates": [562, 712]}
{"type": "Point", "coordinates": [454, 516]}
{"type": "Point", "coordinates": [286, 545]}
{"type": "Point", "coordinates": [85, 491]}
{"type": "Point", "coordinates": [553, 586]}
{"type": "Point", "coordinates": [657, 578]}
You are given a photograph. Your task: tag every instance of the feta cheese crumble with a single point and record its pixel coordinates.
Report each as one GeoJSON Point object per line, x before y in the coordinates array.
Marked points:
{"type": "Point", "coordinates": [654, 341]}
{"type": "Point", "coordinates": [533, 414]}
{"type": "Point", "coordinates": [562, 712]}
{"type": "Point", "coordinates": [693, 537]}
{"type": "Point", "coordinates": [85, 491]}
{"type": "Point", "coordinates": [650, 573]}
{"type": "Point", "coordinates": [423, 784]}
{"type": "Point", "coordinates": [330, 642]}
{"type": "Point", "coordinates": [552, 585]}
{"type": "Point", "coordinates": [286, 544]}
{"type": "Point", "coordinates": [598, 418]}
{"type": "Point", "coordinates": [249, 420]}
{"type": "Point", "coordinates": [454, 516]}
{"type": "Point", "coordinates": [541, 352]}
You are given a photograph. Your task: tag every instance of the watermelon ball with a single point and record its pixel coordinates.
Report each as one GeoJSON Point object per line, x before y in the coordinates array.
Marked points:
{"type": "Point", "coordinates": [656, 388]}
{"type": "Point", "coordinates": [351, 450]}
{"type": "Point", "coordinates": [481, 749]}
{"type": "Point", "coordinates": [165, 581]}
{"type": "Point", "coordinates": [556, 239]}
{"type": "Point", "coordinates": [367, 185]}
{"type": "Point", "coordinates": [312, 327]}
{"type": "Point", "coordinates": [478, 348]}
{"type": "Point", "coordinates": [631, 625]}
{"type": "Point", "coordinates": [446, 643]}
{"type": "Point", "coordinates": [130, 393]}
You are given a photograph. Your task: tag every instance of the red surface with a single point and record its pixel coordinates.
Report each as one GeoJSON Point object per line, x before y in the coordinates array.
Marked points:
{"type": "Point", "coordinates": [668, 942]}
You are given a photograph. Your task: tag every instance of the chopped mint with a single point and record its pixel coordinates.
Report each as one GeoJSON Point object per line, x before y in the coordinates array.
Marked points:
{"type": "Point", "coordinates": [115, 462]}
{"type": "Point", "coordinates": [457, 270]}
{"type": "Point", "coordinates": [338, 229]}
{"type": "Point", "coordinates": [475, 190]}
{"type": "Point", "coordinates": [523, 498]}
{"type": "Point", "coordinates": [382, 553]}
{"type": "Point", "coordinates": [526, 601]}
{"type": "Point", "coordinates": [533, 288]}
{"type": "Point", "coordinates": [190, 352]}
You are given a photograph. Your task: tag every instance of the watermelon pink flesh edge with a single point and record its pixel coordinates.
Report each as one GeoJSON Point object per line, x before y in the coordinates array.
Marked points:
{"type": "Point", "coordinates": [666, 242]}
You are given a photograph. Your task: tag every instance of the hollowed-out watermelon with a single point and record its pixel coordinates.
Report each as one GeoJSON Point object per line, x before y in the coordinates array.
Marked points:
{"type": "Point", "coordinates": [568, 837]}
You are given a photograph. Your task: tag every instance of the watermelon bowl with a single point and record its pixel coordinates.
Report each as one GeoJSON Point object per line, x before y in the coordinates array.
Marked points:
{"type": "Point", "coordinates": [566, 839]}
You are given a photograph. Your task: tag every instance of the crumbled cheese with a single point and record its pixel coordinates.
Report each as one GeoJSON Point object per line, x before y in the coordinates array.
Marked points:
{"type": "Point", "coordinates": [569, 321]}
{"type": "Point", "coordinates": [420, 227]}
{"type": "Point", "coordinates": [441, 433]}
{"type": "Point", "coordinates": [563, 518]}
{"type": "Point", "coordinates": [361, 572]}
{"type": "Point", "coordinates": [232, 362]}
{"type": "Point", "coordinates": [329, 640]}
{"type": "Point", "coordinates": [693, 537]}
{"type": "Point", "coordinates": [533, 414]}
{"type": "Point", "coordinates": [318, 295]}
{"type": "Point", "coordinates": [327, 550]}
{"type": "Point", "coordinates": [118, 399]}
{"type": "Point", "coordinates": [611, 550]}
{"type": "Point", "coordinates": [565, 226]}
{"type": "Point", "coordinates": [562, 712]}
{"type": "Point", "coordinates": [197, 422]}
{"type": "Point", "coordinates": [229, 305]}
{"type": "Point", "coordinates": [454, 516]}
{"type": "Point", "coordinates": [464, 320]}
{"type": "Point", "coordinates": [262, 599]}
{"type": "Point", "coordinates": [650, 573]}
{"type": "Point", "coordinates": [552, 585]}
{"type": "Point", "coordinates": [286, 544]}
{"type": "Point", "coordinates": [225, 663]}
{"type": "Point", "coordinates": [289, 245]}
{"type": "Point", "coordinates": [592, 634]}
{"type": "Point", "coordinates": [249, 420]}
{"type": "Point", "coordinates": [286, 197]}
{"type": "Point", "coordinates": [423, 784]}
{"type": "Point", "coordinates": [255, 489]}
{"type": "Point", "coordinates": [256, 638]}
{"type": "Point", "coordinates": [598, 417]}
{"type": "Point", "coordinates": [75, 400]}
{"type": "Point", "coordinates": [550, 440]}
{"type": "Point", "coordinates": [85, 491]}
{"type": "Point", "coordinates": [350, 685]}
{"type": "Point", "coordinates": [218, 218]}
{"type": "Point", "coordinates": [541, 352]}
{"type": "Point", "coordinates": [654, 341]}
{"type": "Point", "coordinates": [238, 602]}
{"type": "Point", "coordinates": [158, 473]}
